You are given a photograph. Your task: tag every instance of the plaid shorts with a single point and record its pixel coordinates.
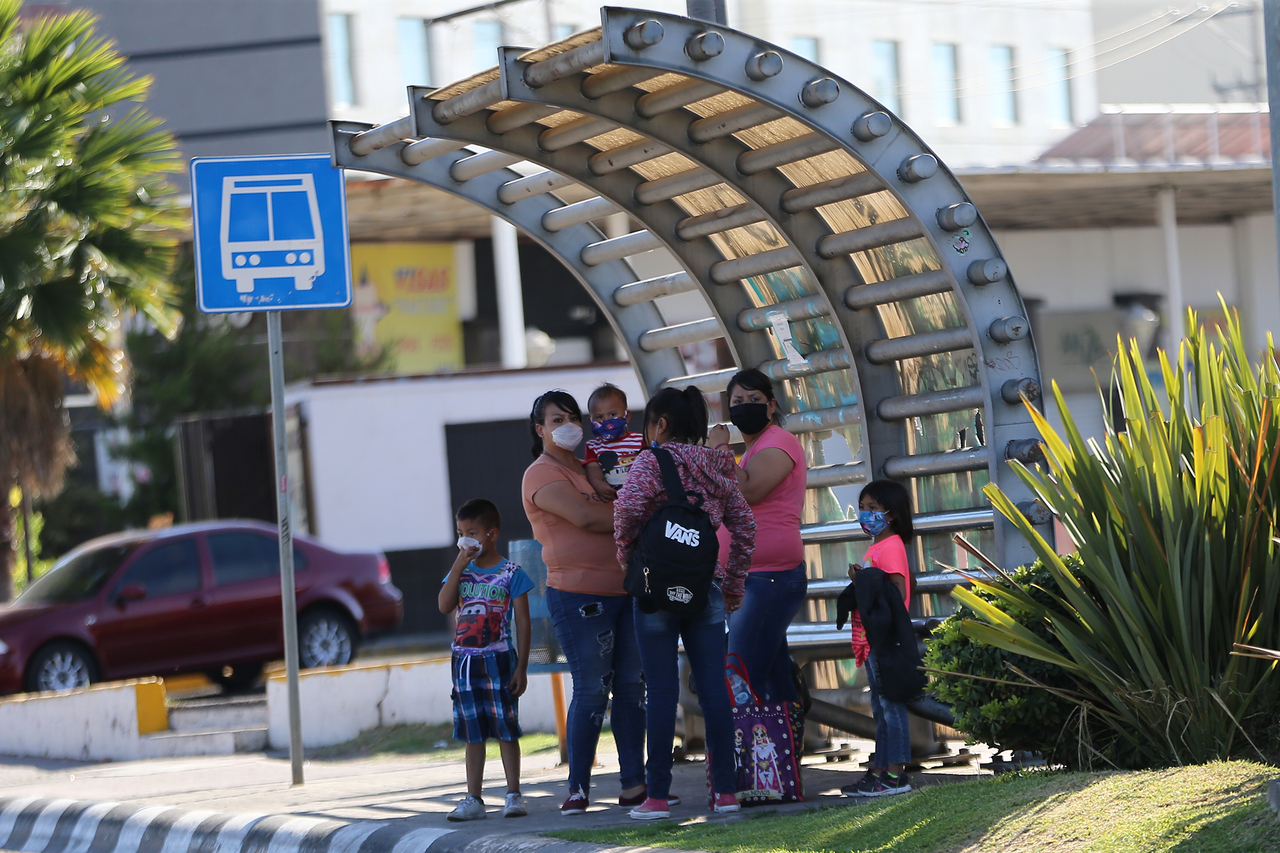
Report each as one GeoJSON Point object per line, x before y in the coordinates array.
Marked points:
{"type": "Point", "coordinates": [483, 706]}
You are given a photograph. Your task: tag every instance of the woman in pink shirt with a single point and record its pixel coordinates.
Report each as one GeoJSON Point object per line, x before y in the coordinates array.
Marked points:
{"type": "Point", "coordinates": [771, 475]}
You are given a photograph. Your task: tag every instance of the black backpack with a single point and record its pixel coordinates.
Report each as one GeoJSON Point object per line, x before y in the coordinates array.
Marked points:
{"type": "Point", "coordinates": [674, 562]}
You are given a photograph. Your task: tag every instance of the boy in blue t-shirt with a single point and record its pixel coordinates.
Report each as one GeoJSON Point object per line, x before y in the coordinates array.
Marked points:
{"type": "Point", "coordinates": [489, 673]}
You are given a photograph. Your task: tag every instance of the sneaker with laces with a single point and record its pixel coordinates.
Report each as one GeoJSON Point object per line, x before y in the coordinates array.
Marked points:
{"type": "Point", "coordinates": [515, 805]}
{"type": "Point", "coordinates": [652, 809]}
{"type": "Point", "coordinates": [469, 808]}
{"type": "Point", "coordinates": [888, 785]}
{"type": "Point", "coordinates": [863, 787]}
{"type": "Point", "coordinates": [726, 803]}
{"type": "Point", "coordinates": [576, 804]}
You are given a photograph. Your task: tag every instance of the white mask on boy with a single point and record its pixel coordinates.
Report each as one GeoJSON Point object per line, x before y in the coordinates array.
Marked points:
{"type": "Point", "coordinates": [567, 437]}
{"type": "Point", "coordinates": [465, 542]}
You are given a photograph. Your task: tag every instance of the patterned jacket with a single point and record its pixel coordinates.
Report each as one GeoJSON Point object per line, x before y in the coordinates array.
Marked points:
{"type": "Point", "coordinates": [710, 473]}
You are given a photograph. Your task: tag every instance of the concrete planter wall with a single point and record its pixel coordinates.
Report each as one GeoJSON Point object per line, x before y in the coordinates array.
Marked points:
{"type": "Point", "coordinates": [105, 722]}
{"type": "Point", "coordinates": [338, 704]}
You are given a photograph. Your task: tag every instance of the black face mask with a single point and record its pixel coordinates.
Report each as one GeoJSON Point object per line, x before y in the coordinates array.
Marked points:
{"type": "Point", "coordinates": [749, 418]}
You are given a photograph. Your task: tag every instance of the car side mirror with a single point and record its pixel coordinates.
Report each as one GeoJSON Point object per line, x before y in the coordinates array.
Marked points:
{"type": "Point", "coordinates": [131, 592]}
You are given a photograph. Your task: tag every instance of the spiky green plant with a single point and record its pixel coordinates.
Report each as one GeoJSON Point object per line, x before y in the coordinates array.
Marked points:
{"type": "Point", "coordinates": [1175, 520]}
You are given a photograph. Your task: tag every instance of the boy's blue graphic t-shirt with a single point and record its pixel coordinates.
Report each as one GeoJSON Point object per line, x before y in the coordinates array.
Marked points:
{"type": "Point", "coordinates": [484, 607]}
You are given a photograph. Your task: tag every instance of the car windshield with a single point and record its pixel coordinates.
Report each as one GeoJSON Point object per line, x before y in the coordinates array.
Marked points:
{"type": "Point", "coordinates": [79, 577]}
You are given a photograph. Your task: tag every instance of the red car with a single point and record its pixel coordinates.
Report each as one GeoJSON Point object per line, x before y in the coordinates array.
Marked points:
{"type": "Point", "coordinates": [192, 598]}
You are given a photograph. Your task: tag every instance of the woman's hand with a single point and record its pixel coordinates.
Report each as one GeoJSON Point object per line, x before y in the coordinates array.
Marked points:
{"type": "Point", "coordinates": [732, 602]}
{"type": "Point", "coordinates": [718, 435]}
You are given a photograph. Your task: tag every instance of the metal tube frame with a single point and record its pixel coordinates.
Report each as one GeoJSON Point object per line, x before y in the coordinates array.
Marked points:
{"type": "Point", "coordinates": [566, 244]}
{"type": "Point", "coordinates": [923, 198]}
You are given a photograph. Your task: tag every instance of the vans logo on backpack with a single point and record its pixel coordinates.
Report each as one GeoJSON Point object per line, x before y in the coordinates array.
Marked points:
{"type": "Point", "coordinates": [680, 594]}
{"type": "Point", "coordinates": [683, 535]}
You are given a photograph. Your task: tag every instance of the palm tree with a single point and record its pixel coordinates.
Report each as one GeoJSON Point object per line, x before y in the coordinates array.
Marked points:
{"type": "Point", "coordinates": [86, 225]}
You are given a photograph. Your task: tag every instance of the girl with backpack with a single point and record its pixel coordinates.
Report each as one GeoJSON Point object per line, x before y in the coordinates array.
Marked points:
{"type": "Point", "coordinates": [676, 421]}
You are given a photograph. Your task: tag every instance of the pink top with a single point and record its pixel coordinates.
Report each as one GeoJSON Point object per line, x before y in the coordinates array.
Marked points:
{"type": "Point", "coordinates": [778, 544]}
{"type": "Point", "coordinates": [890, 557]}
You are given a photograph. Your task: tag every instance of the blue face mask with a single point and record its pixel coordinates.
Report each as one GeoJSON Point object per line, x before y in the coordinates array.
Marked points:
{"type": "Point", "coordinates": [873, 523]}
{"type": "Point", "coordinates": [610, 429]}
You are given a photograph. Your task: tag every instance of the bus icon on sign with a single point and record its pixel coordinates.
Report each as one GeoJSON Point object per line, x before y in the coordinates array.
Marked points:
{"type": "Point", "coordinates": [271, 229]}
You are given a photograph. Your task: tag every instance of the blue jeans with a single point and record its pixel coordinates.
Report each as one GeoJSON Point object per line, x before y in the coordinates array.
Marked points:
{"type": "Point", "coordinates": [659, 635]}
{"type": "Point", "coordinates": [893, 738]}
{"type": "Point", "coordinates": [758, 630]}
{"type": "Point", "coordinates": [598, 637]}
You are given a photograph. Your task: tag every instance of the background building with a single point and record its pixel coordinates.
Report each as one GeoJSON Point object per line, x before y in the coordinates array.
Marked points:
{"type": "Point", "coordinates": [230, 76]}
{"type": "Point", "coordinates": [985, 84]}
{"type": "Point", "coordinates": [1149, 52]}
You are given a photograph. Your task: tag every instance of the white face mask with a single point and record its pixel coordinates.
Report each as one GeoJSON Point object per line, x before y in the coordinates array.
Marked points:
{"type": "Point", "coordinates": [567, 437]}
{"type": "Point", "coordinates": [465, 542]}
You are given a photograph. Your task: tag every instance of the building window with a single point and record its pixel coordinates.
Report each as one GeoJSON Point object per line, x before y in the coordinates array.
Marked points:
{"type": "Point", "coordinates": [1004, 100]}
{"type": "Point", "coordinates": [805, 46]}
{"type": "Point", "coordinates": [563, 31]}
{"type": "Point", "coordinates": [415, 51]}
{"type": "Point", "coordinates": [342, 75]}
{"type": "Point", "coordinates": [486, 39]}
{"type": "Point", "coordinates": [1058, 87]}
{"type": "Point", "coordinates": [886, 85]}
{"type": "Point", "coordinates": [946, 85]}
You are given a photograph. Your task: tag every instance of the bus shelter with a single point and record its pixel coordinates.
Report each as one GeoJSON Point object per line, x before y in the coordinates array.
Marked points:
{"type": "Point", "coordinates": [834, 251]}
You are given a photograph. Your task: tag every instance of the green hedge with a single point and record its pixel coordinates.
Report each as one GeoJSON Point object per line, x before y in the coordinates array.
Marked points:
{"type": "Point", "coordinates": [988, 688]}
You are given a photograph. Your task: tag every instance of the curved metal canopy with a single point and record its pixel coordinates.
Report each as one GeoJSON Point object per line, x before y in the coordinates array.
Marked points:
{"type": "Point", "coordinates": [833, 249]}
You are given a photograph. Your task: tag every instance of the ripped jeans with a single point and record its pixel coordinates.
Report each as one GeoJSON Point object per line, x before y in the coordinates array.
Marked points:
{"type": "Point", "coordinates": [598, 636]}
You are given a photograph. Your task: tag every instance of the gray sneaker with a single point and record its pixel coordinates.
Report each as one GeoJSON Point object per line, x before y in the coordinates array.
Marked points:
{"type": "Point", "coordinates": [470, 808]}
{"type": "Point", "coordinates": [515, 806]}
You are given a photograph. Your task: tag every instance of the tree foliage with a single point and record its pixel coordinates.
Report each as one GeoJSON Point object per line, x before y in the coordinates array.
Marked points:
{"type": "Point", "coordinates": [85, 234]}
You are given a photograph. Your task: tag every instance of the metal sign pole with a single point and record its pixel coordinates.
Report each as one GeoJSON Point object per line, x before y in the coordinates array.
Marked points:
{"type": "Point", "coordinates": [288, 594]}
{"type": "Point", "coordinates": [707, 10]}
{"type": "Point", "coordinates": [1271, 34]}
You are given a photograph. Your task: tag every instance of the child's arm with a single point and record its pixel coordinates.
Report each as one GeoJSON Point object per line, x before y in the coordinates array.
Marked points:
{"type": "Point", "coordinates": [449, 589]}
{"type": "Point", "coordinates": [595, 476]}
{"type": "Point", "coordinates": [520, 678]}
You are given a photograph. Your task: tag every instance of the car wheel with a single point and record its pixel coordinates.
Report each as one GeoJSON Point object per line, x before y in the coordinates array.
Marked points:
{"type": "Point", "coordinates": [236, 679]}
{"type": "Point", "coordinates": [325, 638]}
{"type": "Point", "coordinates": [59, 667]}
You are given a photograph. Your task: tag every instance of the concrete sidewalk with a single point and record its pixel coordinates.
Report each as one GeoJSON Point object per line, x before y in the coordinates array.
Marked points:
{"type": "Point", "coordinates": [245, 804]}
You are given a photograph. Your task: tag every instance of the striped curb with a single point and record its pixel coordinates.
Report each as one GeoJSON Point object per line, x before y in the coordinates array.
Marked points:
{"type": "Point", "coordinates": [41, 825]}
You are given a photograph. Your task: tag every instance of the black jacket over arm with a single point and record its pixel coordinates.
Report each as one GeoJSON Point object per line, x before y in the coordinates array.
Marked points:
{"type": "Point", "coordinates": [890, 635]}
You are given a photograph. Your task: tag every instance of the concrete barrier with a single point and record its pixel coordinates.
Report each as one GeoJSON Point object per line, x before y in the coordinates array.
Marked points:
{"type": "Point", "coordinates": [105, 722]}
{"type": "Point", "coordinates": [338, 704]}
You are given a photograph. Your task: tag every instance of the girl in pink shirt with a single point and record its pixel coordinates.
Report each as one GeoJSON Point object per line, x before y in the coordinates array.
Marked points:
{"type": "Point", "coordinates": [885, 515]}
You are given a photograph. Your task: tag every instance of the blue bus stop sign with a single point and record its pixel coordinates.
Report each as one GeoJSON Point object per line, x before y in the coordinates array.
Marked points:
{"type": "Point", "coordinates": [270, 233]}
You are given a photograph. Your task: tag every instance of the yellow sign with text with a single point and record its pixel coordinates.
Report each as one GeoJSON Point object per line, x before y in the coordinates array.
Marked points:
{"type": "Point", "coordinates": [405, 303]}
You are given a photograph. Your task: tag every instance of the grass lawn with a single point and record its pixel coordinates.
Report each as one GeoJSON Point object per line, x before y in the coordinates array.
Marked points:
{"type": "Point", "coordinates": [1214, 808]}
{"type": "Point", "coordinates": [433, 742]}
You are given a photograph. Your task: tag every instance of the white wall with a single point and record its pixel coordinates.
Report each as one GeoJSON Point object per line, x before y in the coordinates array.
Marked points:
{"type": "Point", "coordinates": [379, 471]}
{"type": "Point", "coordinates": [338, 704]}
{"type": "Point", "coordinates": [1081, 269]}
